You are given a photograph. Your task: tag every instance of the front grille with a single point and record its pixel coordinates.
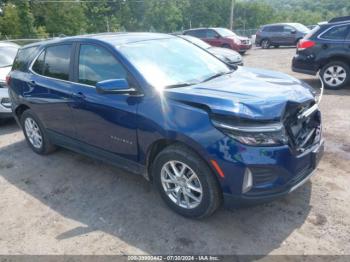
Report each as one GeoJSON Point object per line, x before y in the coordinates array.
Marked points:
{"type": "Point", "coordinates": [303, 132]}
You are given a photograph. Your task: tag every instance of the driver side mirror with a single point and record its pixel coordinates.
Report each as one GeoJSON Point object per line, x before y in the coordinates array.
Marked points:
{"type": "Point", "coordinates": [217, 37]}
{"type": "Point", "coordinates": [115, 86]}
{"type": "Point", "coordinates": [293, 32]}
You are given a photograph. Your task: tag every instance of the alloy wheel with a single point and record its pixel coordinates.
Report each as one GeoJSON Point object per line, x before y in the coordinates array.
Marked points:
{"type": "Point", "coordinates": [265, 44]}
{"type": "Point", "coordinates": [334, 75]}
{"type": "Point", "coordinates": [181, 184]}
{"type": "Point", "coordinates": [33, 132]}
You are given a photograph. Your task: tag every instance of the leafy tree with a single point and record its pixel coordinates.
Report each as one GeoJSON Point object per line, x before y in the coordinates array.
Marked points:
{"type": "Point", "coordinates": [10, 21]}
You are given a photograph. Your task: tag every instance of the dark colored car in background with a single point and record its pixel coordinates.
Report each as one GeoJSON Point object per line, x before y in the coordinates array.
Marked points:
{"type": "Point", "coordinates": [326, 49]}
{"type": "Point", "coordinates": [228, 56]}
{"type": "Point", "coordinates": [221, 37]}
{"type": "Point", "coordinates": [161, 107]}
{"type": "Point", "coordinates": [283, 34]}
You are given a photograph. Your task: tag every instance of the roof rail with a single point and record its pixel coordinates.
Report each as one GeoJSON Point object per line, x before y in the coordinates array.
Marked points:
{"type": "Point", "coordinates": [339, 19]}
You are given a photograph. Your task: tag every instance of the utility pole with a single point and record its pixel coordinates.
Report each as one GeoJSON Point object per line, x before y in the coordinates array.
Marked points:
{"type": "Point", "coordinates": [231, 14]}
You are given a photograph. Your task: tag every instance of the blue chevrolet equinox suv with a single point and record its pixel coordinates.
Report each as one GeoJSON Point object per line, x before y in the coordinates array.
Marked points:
{"type": "Point", "coordinates": [159, 106]}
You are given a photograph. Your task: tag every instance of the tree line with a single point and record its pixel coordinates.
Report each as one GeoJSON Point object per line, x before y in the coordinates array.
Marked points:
{"type": "Point", "coordinates": [47, 18]}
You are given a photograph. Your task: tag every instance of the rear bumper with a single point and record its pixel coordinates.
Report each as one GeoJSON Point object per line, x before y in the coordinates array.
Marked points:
{"type": "Point", "coordinates": [304, 64]}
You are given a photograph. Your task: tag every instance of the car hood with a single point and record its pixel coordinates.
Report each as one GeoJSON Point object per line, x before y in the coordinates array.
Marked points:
{"type": "Point", "coordinates": [247, 92]}
{"type": "Point", "coordinates": [229, 54]}
{"type": "Point", "coordinates": [3, 73]}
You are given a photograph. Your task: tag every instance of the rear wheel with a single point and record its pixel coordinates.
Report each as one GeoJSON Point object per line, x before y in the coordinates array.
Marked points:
{"type": "Point", "coordinates": [35, 134]}
{"type": "Point", "coordinates": [185, 182]}
{"type": "Point", "coordinates": [265, 44]}
{"type": "Point", "coordinates": [335, 75]}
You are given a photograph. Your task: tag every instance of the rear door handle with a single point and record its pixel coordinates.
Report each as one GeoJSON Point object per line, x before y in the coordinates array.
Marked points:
{"type": "Point", "coordinates": [79, 95]}
{"type": "Point", "coordinates": [32, 83]}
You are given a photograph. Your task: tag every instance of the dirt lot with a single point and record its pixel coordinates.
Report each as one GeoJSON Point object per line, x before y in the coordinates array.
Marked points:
{"type": "Point", "coordinates": [66, 203]}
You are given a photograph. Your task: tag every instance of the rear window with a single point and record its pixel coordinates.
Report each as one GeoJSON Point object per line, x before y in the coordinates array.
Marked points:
{"type": "Point", "coordinates": [197, 33]}
{"type": "Point", "coordinates": [336, 33]}
{"type": "Point", "coordinates": [24, 56]}
{"type": "Point", "coordinates": [273, 28]}
{"type": "Point", "coordinates": [54, 62]}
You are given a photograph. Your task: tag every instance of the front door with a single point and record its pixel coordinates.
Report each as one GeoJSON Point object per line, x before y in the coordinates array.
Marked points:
{"type": "Point", "coordinates": [104, 121]}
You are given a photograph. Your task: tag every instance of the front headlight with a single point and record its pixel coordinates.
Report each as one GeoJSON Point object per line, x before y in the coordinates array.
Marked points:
{"type": "Point", "coordinates": [270, 134]}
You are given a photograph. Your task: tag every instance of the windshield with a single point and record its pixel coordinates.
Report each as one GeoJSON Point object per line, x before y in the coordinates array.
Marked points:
{"type": "Point", "coordinates": [7, 55]}
{"type": "Point", "coordinates": [197, 41]}
{"type": "Point", "coordinates": [224, 32]}
{"type": "Point", "coordinates": [301, 28]}
{"type": "Point", "coordinates": [172, 62]}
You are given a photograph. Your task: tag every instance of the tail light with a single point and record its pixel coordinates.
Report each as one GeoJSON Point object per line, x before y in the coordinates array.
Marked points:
{"type": "Point", "coordinates": [305, 44]}
{"type": "Point", "coordinates": [8, 79]}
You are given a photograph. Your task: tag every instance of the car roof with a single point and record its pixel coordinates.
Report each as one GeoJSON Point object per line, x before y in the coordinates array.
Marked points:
{"type": "Point", "coordinates": [8, 44]}
{"type": "Point", "coordinates": [115, 39]}
{"type": "Point", "coordinates": [278, 24]}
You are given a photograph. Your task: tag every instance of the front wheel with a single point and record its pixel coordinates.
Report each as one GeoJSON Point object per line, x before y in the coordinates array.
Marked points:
{"type": "Point", "coordinates": [186, 183]}
{"type": "Point", "coordinates": [335, 75]}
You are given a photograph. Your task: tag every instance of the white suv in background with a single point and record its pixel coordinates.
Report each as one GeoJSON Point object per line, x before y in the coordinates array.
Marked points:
{"type": "Point", "coordinates": [8, 52]}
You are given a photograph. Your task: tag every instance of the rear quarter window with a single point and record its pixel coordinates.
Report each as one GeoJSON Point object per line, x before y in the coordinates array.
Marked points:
{"type": "Point", "coordinates": [23, 58]}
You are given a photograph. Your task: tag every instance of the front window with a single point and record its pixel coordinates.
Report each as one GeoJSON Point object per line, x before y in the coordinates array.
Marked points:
{"type": "Point", "coordinates": [224, 32]}
{"type": "Point", "coordinates": [97, 64]}
{"type": "Point", "coordinates": [172, 61]}
{"type": "Point", "coordinates": [8, 54]}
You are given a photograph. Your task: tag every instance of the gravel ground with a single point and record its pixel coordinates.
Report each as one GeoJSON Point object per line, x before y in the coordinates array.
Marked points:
{"type": "Point", "coordinates": [67, 203]}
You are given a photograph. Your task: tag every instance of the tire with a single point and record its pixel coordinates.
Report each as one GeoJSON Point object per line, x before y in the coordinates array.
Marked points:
{"type": "Point", "coordinates": [35, 134]}
{"type": "Point", "coordinates": [180, 156]}
{"type": "Point", "coordinates": [276, 46]}
{"type": "Point", "coordinates": [335, 75]}
{"type": "Point", "coordinates": [265, 44]}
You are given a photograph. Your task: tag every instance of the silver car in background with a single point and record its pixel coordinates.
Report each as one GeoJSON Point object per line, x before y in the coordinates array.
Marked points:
{"type": "Point", "coordinates": [8, 53]}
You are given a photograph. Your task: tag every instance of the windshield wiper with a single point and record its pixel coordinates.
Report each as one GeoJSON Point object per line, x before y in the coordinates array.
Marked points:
{"type": "Point", "coordinates": [179, 85]}
{"type": "Point", "coordinates": [217, 75]}
{"type": "Point", "coordinates": [5, 66]}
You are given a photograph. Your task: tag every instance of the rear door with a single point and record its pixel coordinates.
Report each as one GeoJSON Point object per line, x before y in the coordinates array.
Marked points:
{"type": "Point", "coordinates": [288, 37]}
{"type": "Point", "coordinates": [48, 88]}
{"type": "Point", "coordinates": [276, 34]}
{"type": "Point", "coordinates": [333, 41]}
{"type": "Point", "coordinates": [104, 121]}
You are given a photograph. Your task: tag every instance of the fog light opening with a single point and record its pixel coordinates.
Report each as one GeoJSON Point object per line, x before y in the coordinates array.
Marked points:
{"type": "Point", "coordinates": [247, 181]}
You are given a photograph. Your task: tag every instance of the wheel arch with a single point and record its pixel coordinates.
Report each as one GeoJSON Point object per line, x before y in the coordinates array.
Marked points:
{"type": "Point", "coordinates": [334, 58]}
{"type": "Point", "coordinates": [19, 110]}
{"type": "Point", "coordinates": [159, 145]}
